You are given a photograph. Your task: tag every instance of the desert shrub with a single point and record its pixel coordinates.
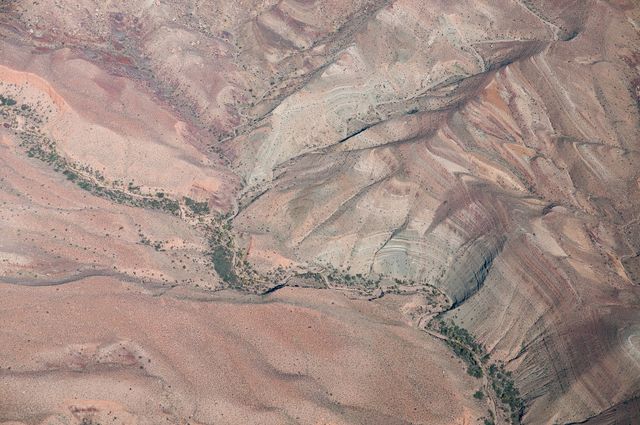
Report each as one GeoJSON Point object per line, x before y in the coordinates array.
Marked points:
{"type": "Point", "coordinates": [505, 389]}
{"type": "Point", "coordinates": [464, 346]}
{"type": "Point", "coordinates": [312, 275]}
{"type": "Point", "coordinates": [70, 175]}
{"type": "Point", "coordinates": [83, 184]}
{"type": "Point", "coordinates": [7, 101]}
{"type": "Point", "coordinates": [196, 207]}
{"type": "Point", "coordinates": [223, 264]}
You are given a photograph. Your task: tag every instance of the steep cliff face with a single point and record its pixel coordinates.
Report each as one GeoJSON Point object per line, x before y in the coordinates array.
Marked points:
{"type": "Point", "coordinates": [512, 186]}
{"type": "Point", "coordinates": [513, 177]}
{"type": "Point", "coordinates": [488, 150]}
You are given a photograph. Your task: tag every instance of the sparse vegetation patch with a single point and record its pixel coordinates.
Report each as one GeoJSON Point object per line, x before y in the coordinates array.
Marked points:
{"type": "Point", "coordinates": [505, 389]}
{"type": "Point", "coordinates": [464, 346]}
{"type": "Point", "coordinates": [475, 356]}
{"type": "Point", "coordinates": [7, 101]}
{"type": "Point", "coordinates": [198, 208]}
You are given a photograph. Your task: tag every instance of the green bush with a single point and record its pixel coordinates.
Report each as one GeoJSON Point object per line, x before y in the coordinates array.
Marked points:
{"type": "Point", "coordinates": [467, 349]}
{"type": "Point", "coordinates": [196, 207]}
{"type": "Point", "coordinates": [507, 392]}
{"type": "Point", "coordinates": [223, 264]}
{"type": "Point", "coordinates": [85, 185]}
{"type": "Point", "coordinates": [7, 101]}
{"type": "Point", "coordinates": [70, 175]}
{"type": "Point", "coordinates": [464, 346]}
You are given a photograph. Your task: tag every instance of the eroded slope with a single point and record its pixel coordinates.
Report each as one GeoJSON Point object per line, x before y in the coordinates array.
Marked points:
{"type": "Point", "coordinates": [478, 157]}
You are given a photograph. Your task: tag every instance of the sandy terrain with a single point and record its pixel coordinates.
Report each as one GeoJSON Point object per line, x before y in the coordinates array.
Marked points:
{"type": "Point", "coordinates": [106, 351]}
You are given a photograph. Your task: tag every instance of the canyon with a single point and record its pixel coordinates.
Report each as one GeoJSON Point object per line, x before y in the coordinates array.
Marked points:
{"type": "Point", "coordinates": [320, 212]}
